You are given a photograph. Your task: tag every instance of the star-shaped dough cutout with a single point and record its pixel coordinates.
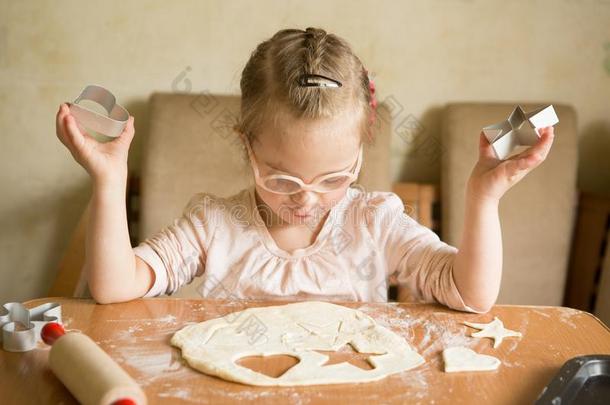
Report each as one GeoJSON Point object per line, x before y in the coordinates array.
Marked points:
{"type": "Point", "coordinates": [495, 330]}
{"type": "Point", "coordinates": [348, 354]}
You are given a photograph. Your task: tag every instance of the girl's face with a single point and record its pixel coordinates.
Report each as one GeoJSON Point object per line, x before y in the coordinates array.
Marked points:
{"type": "Point", "coordinates": [306, 149]}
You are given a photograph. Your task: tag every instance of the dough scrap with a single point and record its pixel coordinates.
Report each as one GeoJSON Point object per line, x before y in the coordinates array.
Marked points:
{"type": "Point", "coordinates": [495, 330]}
{"type": "Point", "coordinates": [464, 359]}
{"type": "Point", "coordinates": [298, 330]}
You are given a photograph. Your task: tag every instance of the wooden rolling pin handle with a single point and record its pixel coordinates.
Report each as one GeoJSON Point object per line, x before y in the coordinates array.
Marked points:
{"type": "Point", "coordinates": [52, 332]}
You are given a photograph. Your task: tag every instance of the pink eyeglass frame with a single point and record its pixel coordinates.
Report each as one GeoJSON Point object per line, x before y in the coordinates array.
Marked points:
{"type": "Point", "coordinates": [313, 186]}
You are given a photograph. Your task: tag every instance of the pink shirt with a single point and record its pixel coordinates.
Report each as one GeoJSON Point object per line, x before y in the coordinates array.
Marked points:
{"type": "Point", "coordinates": [366, 238]}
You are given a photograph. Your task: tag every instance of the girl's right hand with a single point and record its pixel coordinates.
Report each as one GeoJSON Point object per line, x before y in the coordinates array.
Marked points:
{"type": "Point", "coordinates": [103, 161]}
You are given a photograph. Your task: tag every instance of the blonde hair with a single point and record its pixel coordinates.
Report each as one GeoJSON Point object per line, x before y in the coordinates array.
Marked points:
{"type": "Point", "coordinates": [271, 79]}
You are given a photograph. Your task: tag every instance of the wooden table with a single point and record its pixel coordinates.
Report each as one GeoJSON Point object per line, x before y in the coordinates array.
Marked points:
{"type": "Point", "coordinates": [137, 334]}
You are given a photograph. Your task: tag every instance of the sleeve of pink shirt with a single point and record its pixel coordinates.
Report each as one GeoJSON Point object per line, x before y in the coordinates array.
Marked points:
{"type": "Point", "coordinates": [177, 253]}
{"type": "Point", "coordinates": [421, 262]}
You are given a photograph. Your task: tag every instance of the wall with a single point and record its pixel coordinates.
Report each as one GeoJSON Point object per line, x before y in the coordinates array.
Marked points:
{"type": "Point", "coordinates": [422, 53]}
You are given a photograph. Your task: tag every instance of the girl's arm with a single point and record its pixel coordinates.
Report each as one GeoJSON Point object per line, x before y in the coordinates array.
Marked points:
{"type": "Point", "coordinates": [113, 272]}
{"type": "Point", "coordinates": [477, 268]}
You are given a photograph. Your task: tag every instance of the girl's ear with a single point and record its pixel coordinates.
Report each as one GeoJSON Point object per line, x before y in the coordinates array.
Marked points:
{"type": "Point", "coordinates": [242, 136]}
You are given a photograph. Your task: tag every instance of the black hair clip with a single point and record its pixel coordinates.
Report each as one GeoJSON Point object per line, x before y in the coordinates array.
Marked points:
{"type": "Point", "coordinates": [313, 80]}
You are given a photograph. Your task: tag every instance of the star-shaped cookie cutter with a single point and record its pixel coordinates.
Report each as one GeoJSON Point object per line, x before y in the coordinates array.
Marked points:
{"type": "Point", "coordinates": [520, 129]}
{"type": "Point", "coordinates": [112, 124]}
{"type": "Point", "coordinates": [14, 313]}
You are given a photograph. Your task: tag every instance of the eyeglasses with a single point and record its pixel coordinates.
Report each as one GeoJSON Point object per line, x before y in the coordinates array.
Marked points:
{"type": "Point", "coordinates": [287, 185]}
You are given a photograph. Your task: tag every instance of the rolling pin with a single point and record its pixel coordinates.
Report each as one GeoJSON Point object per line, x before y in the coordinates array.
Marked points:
{"type": "Point", "coordinates": [87, 371]}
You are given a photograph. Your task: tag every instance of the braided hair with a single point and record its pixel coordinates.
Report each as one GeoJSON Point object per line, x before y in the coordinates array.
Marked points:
{"type": "Point", "coordinates": [311, 73]}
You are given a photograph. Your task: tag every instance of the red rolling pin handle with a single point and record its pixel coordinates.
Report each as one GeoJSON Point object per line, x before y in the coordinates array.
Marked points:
{"type": "Point", "coordinates": [53, 331]}
{"type": "Point", "coordinates": [124, 401]}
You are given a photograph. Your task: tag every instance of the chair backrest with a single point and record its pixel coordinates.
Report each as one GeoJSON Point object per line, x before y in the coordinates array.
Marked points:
{"type": "Point", "coordinates": [536, 214]}
{"type": "Point", "coordinates": [70, 280]}
{"type": "Point", "coordinates": [602, 303]}
{"type": "Point", "coordinates": [420, 200]}
{"type": "Point", "coordinates": [587, 287]}
{"type": "Point", "coordinates": [191, 147]}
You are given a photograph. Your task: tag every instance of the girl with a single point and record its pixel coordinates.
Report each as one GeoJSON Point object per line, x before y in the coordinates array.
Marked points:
{"type": "Point", "coordinates": [301, 231]}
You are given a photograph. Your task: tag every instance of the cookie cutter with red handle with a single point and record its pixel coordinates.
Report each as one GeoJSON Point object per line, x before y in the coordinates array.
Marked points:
{"type": "Point", "coordinates": [112, 124]}
{"type": "Point", "coordinates": [33, 319]}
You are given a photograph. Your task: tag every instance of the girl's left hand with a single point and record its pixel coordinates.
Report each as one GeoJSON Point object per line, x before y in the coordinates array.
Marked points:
{"type": "Point", "coordinates": [492, 177]}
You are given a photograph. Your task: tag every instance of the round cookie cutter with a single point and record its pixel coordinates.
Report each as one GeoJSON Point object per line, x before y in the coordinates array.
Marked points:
{"type": "Point", "coordinates": [112, 124]}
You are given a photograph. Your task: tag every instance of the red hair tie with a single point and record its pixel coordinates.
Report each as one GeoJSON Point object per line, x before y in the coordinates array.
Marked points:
{"type": "Point", "coordinates": [373, 101]}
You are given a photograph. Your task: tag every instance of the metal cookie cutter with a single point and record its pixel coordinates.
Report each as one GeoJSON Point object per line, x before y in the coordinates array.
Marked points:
{"type": "Point", "coordinates": [33, 320]}
{"type": "Point", "coordinates": [111, 125]}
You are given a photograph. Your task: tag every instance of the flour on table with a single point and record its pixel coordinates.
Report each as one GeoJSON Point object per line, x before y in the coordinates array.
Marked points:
{"type": "Point", "coordinates": [298, 330]}
{"type": "Point", "coordinates": [464, 359]}
{"type": "Point", "coordinates": [495, 330]}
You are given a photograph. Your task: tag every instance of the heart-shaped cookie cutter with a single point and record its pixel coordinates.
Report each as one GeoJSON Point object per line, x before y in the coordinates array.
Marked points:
{"type": "Point", "coordinates": [111, 125]}
{"type": "Point", "coordinates": [33, 320]}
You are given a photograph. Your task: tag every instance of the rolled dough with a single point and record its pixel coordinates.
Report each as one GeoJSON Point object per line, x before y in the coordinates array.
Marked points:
{"type": "Point", "coordinates": [298, 330]}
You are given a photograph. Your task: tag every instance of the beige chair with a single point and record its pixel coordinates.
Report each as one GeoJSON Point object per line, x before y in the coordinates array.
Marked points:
{"type": "Point", "coordinates": [536, 215]}
{"type": "Point", "coordinates": [191, 147]}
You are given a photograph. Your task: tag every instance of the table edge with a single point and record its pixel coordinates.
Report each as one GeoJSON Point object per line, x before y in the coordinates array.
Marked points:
{"type": "Point", "coordinates": [595, 318]}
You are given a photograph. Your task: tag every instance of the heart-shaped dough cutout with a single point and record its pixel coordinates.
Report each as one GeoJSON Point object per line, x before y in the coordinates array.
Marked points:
{"type": "Point", "coordinates": [463, 359]}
